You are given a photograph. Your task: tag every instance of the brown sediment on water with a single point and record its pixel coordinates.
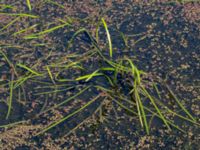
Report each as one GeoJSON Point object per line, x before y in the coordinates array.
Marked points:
{"type": "Point", "coordinates": [192, 11]}
{"type": "Point", "coordinates": [18, 136]}
{"type": "Point", "coordinates": [4, 18]}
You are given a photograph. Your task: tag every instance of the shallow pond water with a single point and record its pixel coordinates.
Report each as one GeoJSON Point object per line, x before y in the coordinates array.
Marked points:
{"type": "Point", "coordinates": [158, 38]}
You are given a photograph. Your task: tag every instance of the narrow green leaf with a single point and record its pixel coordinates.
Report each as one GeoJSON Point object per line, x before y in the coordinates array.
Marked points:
{"type": "Point", "coordinates": [9, 24]}
{"type": "Point", "coordinates": [108, 37]}
{"type": "Point", "coordinates": [89, 76]}
{"type": "Point", "coordinates": [29, 4]}
{"type": "Point", "coordinates": [24, 30]}
{"type": "Point", "coordinates": [19, 14]}
{"type": "Point", "coordinates": [10, 98]}
{"type": "Point", "coordinates": [180, 105]}
{"type": "Point", "coordinates": [68, 116]}
{"type": "Point", "coordinates": [29, 69]}
{"type": "Point", "coordinates": [156, 107]}
{"type": "Point", "coordinates": [50, 74]}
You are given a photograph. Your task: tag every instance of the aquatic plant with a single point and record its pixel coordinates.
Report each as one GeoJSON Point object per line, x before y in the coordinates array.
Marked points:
{"type": "Point", "coordinates": [140, 100]}
{"type": "Point", "coordinates": [139, 93]}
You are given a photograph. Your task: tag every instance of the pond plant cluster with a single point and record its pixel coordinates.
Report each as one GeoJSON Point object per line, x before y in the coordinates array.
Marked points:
{"type": "Point", "coordinates": [66, 76]}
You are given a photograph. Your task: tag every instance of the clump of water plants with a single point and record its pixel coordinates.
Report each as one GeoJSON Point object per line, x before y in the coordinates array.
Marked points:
{"type": "Point", "coordinates": [141, 98]}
